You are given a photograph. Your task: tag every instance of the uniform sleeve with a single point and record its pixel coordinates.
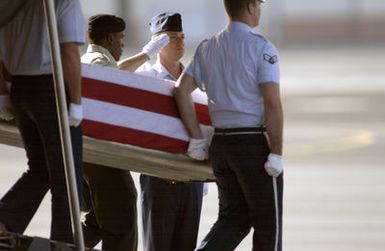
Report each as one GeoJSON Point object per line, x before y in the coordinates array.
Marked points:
{"type": "Point", "coordinates": [70, 21]}
{"type": "Point", "coordinates": [146, 70]}
{"type": "Point", "coordinates": [96, 58]}
{"type": "Point", "coordinates": [102, 61]}
{"type": "Point", "coordinates": [268, 64]}
{"type": "Point", "coordinates": [195, 67]}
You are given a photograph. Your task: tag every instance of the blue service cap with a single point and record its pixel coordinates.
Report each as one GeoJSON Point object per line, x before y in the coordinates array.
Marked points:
{"type": "Point", "coordinates": [167, 21]}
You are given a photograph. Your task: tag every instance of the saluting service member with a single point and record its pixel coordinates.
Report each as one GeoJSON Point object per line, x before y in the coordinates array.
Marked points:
{"type": "Point", "coordinates": [170, 209]}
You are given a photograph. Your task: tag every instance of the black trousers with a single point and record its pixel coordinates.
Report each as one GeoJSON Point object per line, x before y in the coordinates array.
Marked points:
{"type": "Point", "coordinates": [170, 214]}
{"type": "Point", "coordinates": [248, 196]}
{"type": "Point", "coordinates": [110, 200]}
{"type": "Point", "coordinates": [34, 106]}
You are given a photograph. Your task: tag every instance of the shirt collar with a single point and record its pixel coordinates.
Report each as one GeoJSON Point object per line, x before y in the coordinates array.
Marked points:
{"type": "Point", "coordinates": [238, 26]}
{"type": "Point", "coordinates": [163, 72]}
{"type": "Point", "coordinates": [97, 48]}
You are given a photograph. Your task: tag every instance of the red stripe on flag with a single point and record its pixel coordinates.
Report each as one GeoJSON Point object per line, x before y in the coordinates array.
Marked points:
{"type": "Point", "coordinates": [136, 98]}
{"type": "Point", "coordinates": [202, 112]}
{"type": "Point", "coordinates": [133, 137]}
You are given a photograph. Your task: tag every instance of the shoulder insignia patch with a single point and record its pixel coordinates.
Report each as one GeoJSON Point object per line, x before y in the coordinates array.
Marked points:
{"type": "Point", "coordinates": [270, 59]}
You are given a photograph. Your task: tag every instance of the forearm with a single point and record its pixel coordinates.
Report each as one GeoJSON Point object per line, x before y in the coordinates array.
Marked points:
{"type": "Point", "coordinates": [132, 63]}
{"type": "Point", "coordinates": [188, 115]}
{"type": "Point", "coordinates": [72, 70]}
{"type": "Point", "coordinates": [274, 127]}
{"type": "Point", "coordinates": [185, 104]}
{"type": "Point", "coordinates": [273, 115]}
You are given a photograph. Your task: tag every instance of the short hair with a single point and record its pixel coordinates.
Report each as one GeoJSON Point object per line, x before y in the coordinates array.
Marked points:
{"type": "Point", "coordinates": [99, 26]}
{"type": "Point", "coordinates": [234, 7]}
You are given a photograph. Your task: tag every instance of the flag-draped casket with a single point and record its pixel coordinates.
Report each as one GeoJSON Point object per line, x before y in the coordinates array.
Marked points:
{"type": "Point", "coordinates": [137, 110]}
{"type": "Point", "coordinates": [131, 122]}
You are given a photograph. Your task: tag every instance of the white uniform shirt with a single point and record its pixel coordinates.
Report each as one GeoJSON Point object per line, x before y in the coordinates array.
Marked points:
{"type": "Point", "coordinates": [229, 67]}
{"type": "Point", "coordinates": [99, 55]}
{"type": "Point", "coordinates": [157, 71]}
{"type": "Point", "coordinates": [24, 41]}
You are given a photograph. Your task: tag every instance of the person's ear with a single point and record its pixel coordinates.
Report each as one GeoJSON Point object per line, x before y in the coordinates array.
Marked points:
{"type": "Point", "coordinates": [250, 7]}
{"type": "Point", "coordinates": [110, 38]}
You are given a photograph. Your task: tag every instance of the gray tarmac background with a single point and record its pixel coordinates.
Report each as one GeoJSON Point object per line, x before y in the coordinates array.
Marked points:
{"type": "Point", "coordinates": [334, 102]}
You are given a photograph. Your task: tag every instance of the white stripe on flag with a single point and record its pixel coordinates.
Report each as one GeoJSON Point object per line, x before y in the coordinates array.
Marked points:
{"type": "Point", "coordinates": [124, 116]}
{"type": "Point", "coordinates": [125, 78]}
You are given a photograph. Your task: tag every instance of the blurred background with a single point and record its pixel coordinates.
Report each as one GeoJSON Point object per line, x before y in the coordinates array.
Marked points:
{"type": "Point", "coordinates": [285, 22]}
{"type": "Point", "coordinates": [333, 91]}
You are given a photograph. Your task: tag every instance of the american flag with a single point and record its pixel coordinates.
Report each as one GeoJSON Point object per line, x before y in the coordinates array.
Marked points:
{"type": "Point", "coordinates": [137, 110]}
{"type": "Point", "coordinates": [128, 108]}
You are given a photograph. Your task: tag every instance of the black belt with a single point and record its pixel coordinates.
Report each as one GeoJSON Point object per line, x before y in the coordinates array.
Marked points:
{"type": "Point", "coordinates": [240, 130]}
{"type": "Point", "coordinates": [32, 77]}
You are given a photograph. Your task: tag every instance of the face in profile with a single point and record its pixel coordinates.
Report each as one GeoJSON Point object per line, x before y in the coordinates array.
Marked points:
{"type": "Point", "coordinates": [115, 42]}
{"type": "Point", "coordinates": [174, 50]}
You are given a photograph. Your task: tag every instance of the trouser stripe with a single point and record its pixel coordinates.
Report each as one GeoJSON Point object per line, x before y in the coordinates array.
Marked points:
{"type": "Point", "coordinates": [275, 189]}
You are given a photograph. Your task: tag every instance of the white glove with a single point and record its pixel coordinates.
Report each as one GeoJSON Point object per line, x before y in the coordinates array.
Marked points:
{"type": "Point", "coordinates": [155, 45]}
{"type": "Point", "coordinates": [274, 165]}
{"type": "Point", "coordinates": [197, 149]}
{"type": "Point", "coordinates": [75, 116]}
{"type": "Point", "coordinates": [5, 108]}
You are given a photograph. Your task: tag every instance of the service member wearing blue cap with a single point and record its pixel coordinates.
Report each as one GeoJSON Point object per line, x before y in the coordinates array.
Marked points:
{"type": "Point", "coordinates": [239, 71]}
{"type": "Point", "coordinates": [170, 210]}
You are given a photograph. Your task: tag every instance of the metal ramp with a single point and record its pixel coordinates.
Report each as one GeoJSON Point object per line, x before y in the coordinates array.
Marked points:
{"type": "Point", "coordinates": [16, 242]}
{"type": "Point", "coordinates": [127, 157]}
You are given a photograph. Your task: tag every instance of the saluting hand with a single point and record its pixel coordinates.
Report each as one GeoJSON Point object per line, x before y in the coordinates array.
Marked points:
{"type": "Point", "coordinates": [155, 45]}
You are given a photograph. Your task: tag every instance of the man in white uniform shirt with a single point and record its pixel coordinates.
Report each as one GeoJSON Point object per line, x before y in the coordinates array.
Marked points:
{"type": "Point", "coordinates": [25, 54]}
{"type": "Point", "coordinates": [170, 210]}
{"type": "Point", "coordinates": [110, 194]}
{"type": "Point", "coordinates": [106, 44]}
{"type": "Point", "coordinates": [239, 71]}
